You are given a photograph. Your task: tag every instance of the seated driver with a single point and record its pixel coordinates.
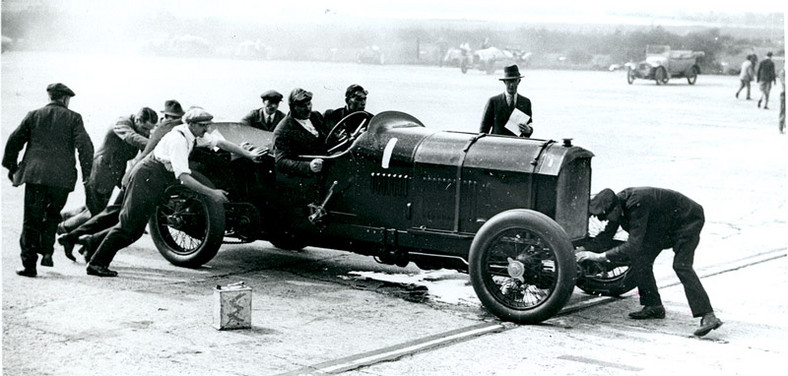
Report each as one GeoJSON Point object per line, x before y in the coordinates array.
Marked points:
{"type": "Point", "coordinates": [355, 100]}
{"type": "Point", "coordinates": [301, 132]}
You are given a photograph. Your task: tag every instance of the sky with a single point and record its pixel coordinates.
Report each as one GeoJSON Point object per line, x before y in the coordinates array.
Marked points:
{"type": "Point", "coordinates": [596, 11]}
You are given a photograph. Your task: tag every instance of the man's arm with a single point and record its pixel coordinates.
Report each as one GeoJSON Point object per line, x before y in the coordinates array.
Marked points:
{"type": "Point", "coordinates": [190, 182]}
{"type": "Point", "coordinates": [232, 147]}
{"type": "Point", "coordinates": [488, 118]}
{"type": "Point", "coordinates": [16, 141]}
{"type": "Point", "coordinates": [125, 130]}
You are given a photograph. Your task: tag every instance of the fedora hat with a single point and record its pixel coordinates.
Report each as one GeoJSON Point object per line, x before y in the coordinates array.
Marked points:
{"type": "Point", "coordinates": [511, 72]}
{"type": "Point", "coordinates": [172, 108]}
{"type": "Point", "coordinates": [602, 203]}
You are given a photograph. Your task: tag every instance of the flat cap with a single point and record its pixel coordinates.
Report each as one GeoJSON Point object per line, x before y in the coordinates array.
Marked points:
{"type": "Point", "coordinates": [197, 115]}
{"type": "Point", "coordinates": [602, 203]}
{"type": "Point", "coordinates": [353, 89]}
{"type": "Point", "coordinates": [299, 95]}
{"type": "Point", "coordinates": [272, 95]}
{"type": "Point", "coordinates": [60, 88]}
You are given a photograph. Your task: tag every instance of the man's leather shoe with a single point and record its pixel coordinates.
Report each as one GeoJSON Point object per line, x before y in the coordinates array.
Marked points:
{"type": "Point", "coordinates": [708, 323]}
{"type": "Point", "coordinates": [46, 260]}
{"type": "Point", "coordinates": [25, 272]}
{"type": "Point", "coordinates": [649, 312]}
{"type": "Point", "coordinates": [68, 246]}
{"type": "Point", "coordinates": [101, 271]}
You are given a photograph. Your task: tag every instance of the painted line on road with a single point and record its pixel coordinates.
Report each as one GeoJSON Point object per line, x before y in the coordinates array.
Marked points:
{"type": "Point", "coordinates": [463, 334]}
{"type": "Point", "coordinates": [398, 351]}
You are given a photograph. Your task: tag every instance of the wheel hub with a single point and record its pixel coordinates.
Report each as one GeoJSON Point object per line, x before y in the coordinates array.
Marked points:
{"type": "Point", "coordinates": [516, 269]}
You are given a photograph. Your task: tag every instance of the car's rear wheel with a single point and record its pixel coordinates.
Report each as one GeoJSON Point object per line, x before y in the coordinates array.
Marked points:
{"type": "Point", "coordinates": [522, 266]}
{"type": "Point", "coordinates": [188, 228]}
{"type": "Point", "coordinates": [464, 66]}
{"type": "Point", "coordinates": [630, 76]}
{"type": "Point", "coordinates": [692, 75]}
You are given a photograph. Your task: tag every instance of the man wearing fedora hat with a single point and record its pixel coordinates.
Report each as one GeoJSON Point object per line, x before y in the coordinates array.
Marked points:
{"type": "Point", "coordinates": [150, 178]}
{"type": "Point", "coordinates": [655, 219]}
{"type": "Point", "coordinates": [268, 116]}
{"type": "Point", "coordinates": [499, 108]}
{"type": "Point", "coordinates": [89, 233]}
{"type": "Point", "coordinates": [50, 136]}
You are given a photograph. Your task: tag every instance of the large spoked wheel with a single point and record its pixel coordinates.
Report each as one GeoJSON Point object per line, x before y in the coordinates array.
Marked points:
{"type": "Point", "coordinates": [692, 75]}
{"type": "Point", "coordinates": [661, 76]}
{"type": "Point", "coordinates": [522, 266]}
{"type": "Point", "coordinates": [340, 137]}
{"type": "Point", "coordinates": [630, 76]}
{"type": "Point", "coordinates": [187, 228]}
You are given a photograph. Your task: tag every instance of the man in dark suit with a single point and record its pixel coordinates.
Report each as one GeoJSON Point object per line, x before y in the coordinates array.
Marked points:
{"type": "Point", "coordinates": [500, 108]}
{"type": "Point", "coordinates": [268, 116]}
{"type": "Point", "coordinates": [122, 142]}
{"type": "Point", "coordinates": [355, 100]}
{"type": "Point", "coordinates": [301, 132]}
{"type": "Point", "coordinates": [655, 219]}
{"type": "Point", "coordinates": [766, 76]}
{"type": "Point", "coordinates": [50, 136]}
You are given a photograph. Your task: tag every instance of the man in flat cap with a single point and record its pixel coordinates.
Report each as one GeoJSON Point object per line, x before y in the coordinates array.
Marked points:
{"type": "Point", "coordinates": [150, 178]}
{"type": "Point", "coordinates": [90, 233]}
{"type": "Point", "coordinates": [355, 101]}
{"type": "Point", "coordinates": [301, 132]}
{"type": "Point", "coordinates": [50, 136]}
{"type": "Point", "coordinates": [508, 113]}
{"type": "Point", "coordinates": [268, 116]}
{"type": "Point", "coordinates": [655, 219]}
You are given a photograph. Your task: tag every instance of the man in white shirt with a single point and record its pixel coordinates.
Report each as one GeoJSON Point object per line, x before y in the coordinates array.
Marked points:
{"type": "Point", "coordinates": [150, 178]}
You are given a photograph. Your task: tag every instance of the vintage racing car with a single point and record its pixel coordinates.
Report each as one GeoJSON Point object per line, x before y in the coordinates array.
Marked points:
{"type": "Point", "coordinates": [662, 64]}
{"type": "Point", "coordinates": [507, 210]}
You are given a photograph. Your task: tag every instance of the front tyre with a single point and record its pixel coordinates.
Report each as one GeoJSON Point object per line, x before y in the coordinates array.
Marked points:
{"type": "Point", "coordinates": [188, 228]}
{"type": "Point", "coordinates": [522, 266]}
{"type": "Point", "coordinates": [692, 75]}
{"type": "Point", "coordinates": [661, 76]}
{"type": "Point", "coordinates": [630, 76]}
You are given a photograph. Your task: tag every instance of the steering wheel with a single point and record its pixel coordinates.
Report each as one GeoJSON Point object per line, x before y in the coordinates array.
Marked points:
{"type": "Point", "coordinates": [339, 138]}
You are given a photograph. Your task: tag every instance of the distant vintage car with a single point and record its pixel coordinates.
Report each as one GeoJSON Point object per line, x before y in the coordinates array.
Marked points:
{"type": "Point", "coordinates": [491, 59]}
{"type": "Point", "coordinates": [507, 210]}
{"type": "Point", "coordinates": [662, 64]}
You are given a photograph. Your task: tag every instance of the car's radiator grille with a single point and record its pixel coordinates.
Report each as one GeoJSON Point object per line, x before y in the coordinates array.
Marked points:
{"type": "Point", "coordinates": [390, 184]}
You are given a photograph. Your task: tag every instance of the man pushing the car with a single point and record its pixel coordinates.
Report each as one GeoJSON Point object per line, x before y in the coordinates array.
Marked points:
{"type": "Point", "coordinates": [150, 178]}
{"type": "Point", "coordinates": [655, 219]}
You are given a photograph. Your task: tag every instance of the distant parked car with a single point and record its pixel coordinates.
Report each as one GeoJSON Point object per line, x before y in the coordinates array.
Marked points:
{"type": "Point", "coordinates": [662, 64]}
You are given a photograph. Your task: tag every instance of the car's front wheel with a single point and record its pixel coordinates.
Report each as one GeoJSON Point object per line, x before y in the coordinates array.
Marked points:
{"type": "Point", "coordinates": [188, 228]}
{"type": "Point", "coordinates": [661, 76]}
{"type": "Point", "coordinates": [522, 266]}
{"type": "Point", "coordinates": [692, 75]}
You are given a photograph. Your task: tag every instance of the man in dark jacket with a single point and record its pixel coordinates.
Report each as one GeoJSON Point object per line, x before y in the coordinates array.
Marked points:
{"type": "Point", "coordinates": [766, 76]}
{"type": "Point", "coordinates": [122, 142]}
{"type": "Point", "coordinates": [655, 219]}
{"type": "Point", "coordinates": [302, 132]}
{"type": "Point", "coordinates": [500, 116]}
{"type": "Point", "coordinates": [268, 116]}
{"type": "Point", "coordinates": [50, 135]}
{"type": "Point", "coordinates": [355, 100]}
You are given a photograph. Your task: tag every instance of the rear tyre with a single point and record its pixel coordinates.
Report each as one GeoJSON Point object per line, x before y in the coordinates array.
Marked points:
{"type": "Point", "coordinates": [630, 76]}
{"type": "Point", "coordinates": [522, 266]}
